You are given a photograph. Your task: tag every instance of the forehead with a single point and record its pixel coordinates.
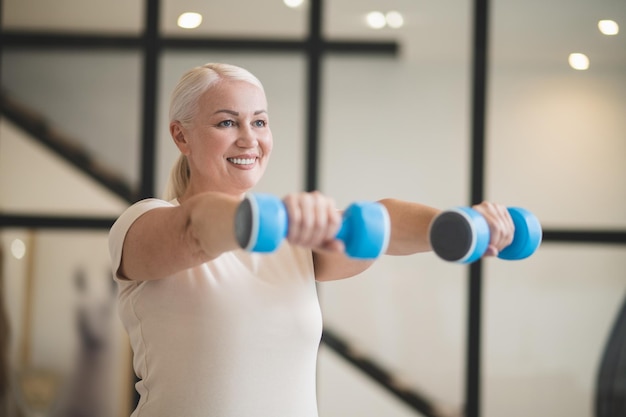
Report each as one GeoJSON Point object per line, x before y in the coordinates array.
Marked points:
{"type": "Point", "coordinates": [233, 95]}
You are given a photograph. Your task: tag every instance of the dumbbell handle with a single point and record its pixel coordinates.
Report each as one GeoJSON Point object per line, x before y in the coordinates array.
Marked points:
{"type": "Point", "coordinates": [261, 224]}
{"type": "Point", "coordinates": [462, 235]}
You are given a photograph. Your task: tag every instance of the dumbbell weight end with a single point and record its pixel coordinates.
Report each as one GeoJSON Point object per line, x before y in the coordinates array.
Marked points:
{"type": "Point", "coordinates": [260, 223]}
{"type": "Point", "coordinates": [462, 235]}
{"type": "Point", "coordinates": [459, 234]}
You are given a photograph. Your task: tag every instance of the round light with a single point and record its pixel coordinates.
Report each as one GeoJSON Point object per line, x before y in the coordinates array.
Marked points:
{"type": "Point", "coordinates": [293, 3]}
{"type": "Point", "coordinates": [189, 20]}
{"type": "Point", "coordinates": [376, 20]}
{"type": "Point", "coordinates": [608, 27]}
{"type": "Point", "coordinates": [18, 249]}
{"type": "Point", "coordinates": [578, 61]}
{"type": "Point", "coordinates": [394, 19]}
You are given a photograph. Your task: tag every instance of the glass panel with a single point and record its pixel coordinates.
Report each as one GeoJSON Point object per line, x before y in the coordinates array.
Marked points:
{"type": "Point", "coordinates": [428, 31]}
{"type": "Point", "coordinates": [66, 346]}
{"type": "Point", "coordinates": [34, 180]}
{"type": "Point", "coordinates": [89, 101]}
{"type": "Point", "coordinates": [236, 18]}
{"type": "Point", "coordinates": [549, 319]}
{"type": "Point", "coordinates": [283, 80]}
{"type": "Point", "coordinates": [556, 134]}
{"type": "Point", "coordinates": [398, 127]}
{"type": "Point", "coordinates": [85, 16]}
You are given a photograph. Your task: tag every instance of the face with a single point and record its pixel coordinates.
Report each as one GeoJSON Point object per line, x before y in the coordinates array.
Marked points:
{"type": "Point", "coordinates": [229, 142]}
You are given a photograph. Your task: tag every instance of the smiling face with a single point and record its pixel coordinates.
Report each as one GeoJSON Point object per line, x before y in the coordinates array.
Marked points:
{"type": "Point", "coordinates": [229, 141]}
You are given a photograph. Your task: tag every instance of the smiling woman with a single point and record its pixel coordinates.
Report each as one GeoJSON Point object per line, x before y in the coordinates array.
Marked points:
{"type": "Point", "coordinates": [184, 107]}
{"type": "Point", "coordinates": [231, 125]}
{"type": "Point", "coordinates": [248, 325]}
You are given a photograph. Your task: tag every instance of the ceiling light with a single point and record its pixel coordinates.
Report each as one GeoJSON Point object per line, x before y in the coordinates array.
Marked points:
{"type": "Point", "coordinates": [394, 19]}
{"type": "Point", "coordinates": [293, 3]}
{"type": "Point", "coordinates": [578, 61]}
{"type": "Point", "coordinates": [376, 20]}
{"type": "Point", "coordinates": [189, 20]}
{"type": "Point", "coordinates": [608, 27]}
{"type": "Point", "coordinates": [18, 249]}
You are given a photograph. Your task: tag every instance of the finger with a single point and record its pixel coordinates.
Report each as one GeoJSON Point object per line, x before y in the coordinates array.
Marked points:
{"type": "Point", "coordinates": [491, 251]}
{"type": "Point", "coordinates": [327, 221]}
{"type": "Point", "coordinates": [308, 219]}
{"type": "Point", "coordinates": [500, 224]}
{"type": "Point", "coordinates": [333, 245]}
{"type": "Point", "coordinates": [319, 223]}
{"type": "Point", "coordinates": [294, 217]}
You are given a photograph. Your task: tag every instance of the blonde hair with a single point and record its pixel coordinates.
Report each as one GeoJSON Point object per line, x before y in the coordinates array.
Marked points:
{"type": "Point", "coordinates": [184, 106]}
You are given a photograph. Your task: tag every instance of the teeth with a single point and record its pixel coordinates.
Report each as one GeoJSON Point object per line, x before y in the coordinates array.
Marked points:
{"type": "Point", "coordinates": [242, 161]}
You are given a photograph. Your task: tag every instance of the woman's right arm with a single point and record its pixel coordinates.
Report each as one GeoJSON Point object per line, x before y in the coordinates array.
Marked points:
{"type": "Point", "coordinates": [166, 240]}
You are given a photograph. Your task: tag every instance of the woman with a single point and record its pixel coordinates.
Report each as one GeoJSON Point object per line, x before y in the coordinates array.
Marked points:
{"type": "Point", "coordinates": [217, 331]}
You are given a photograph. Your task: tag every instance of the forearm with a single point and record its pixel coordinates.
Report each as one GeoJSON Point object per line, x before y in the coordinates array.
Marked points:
{"type": "Point", "coordinates": [211, 223]}
{"type": "Point", "coordinates": [409, 226]}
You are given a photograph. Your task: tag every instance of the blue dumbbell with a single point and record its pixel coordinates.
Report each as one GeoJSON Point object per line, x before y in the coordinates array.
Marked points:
{"type": "Point", "coordinates": [261, 224]}
{"type": "Point", "coordinates": [462, 235]}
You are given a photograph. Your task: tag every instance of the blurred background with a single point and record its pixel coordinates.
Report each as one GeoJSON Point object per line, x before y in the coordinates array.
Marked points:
{"type": "Point", "coordinates": [437, 101]}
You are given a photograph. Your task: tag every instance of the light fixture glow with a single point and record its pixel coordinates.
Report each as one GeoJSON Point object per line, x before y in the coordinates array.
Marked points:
{"type": "Point", "coordinates": [189, 20]}
{"type": "Point", "coordinates": [394, 19]}
{"type": "Point", "coordinates": [376, 20]}
{"type": "Point", "coordinates": [18, 249]}
{"type": "Point", "coordinates": [578, 61]}
{"type": "Point", "coordinates": [608, 27]}
{"type": "Point", "coordinates": [293, 3]}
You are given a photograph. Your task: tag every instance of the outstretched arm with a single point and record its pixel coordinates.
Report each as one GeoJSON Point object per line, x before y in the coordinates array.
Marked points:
{"type": "Point", "coordinates": [409, 235]}
{"type": "Point", "coordinates": [410, 223]}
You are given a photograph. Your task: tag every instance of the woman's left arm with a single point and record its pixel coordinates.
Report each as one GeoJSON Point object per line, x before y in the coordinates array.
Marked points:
{"type": "Point", "coordinates": [410, 223]}
{"type": "Point", "coordinates": [409, 235]}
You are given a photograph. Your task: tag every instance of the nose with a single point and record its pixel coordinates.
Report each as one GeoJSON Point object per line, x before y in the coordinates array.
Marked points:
{"type": "Point", "coordinates": [247, 137]}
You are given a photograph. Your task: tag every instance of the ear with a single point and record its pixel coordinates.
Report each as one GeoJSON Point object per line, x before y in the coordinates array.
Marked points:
{"type": "Point", "coordinates": [178, 134]}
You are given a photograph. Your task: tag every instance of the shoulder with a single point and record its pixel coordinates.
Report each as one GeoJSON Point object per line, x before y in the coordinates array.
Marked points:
{"type": "Point", "coordinates": [136, 210]}
{"type": "Point", "coordinates": [127, 218]}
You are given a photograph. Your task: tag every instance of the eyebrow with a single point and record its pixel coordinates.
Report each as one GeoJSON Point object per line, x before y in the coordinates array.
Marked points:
{"type": "Point", "coordinates": [236, 113]}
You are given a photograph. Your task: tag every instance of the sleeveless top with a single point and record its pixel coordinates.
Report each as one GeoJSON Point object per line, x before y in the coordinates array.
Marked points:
{"type": "Point", "coordinates": [234, 337]}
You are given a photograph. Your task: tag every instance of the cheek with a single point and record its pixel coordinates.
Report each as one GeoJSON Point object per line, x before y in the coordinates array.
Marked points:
{"type": "Point", "coordinates": [268, 145]}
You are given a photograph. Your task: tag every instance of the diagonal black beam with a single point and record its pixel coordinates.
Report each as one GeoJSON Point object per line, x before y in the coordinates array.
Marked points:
{"type": "Point", "coordinates": [39, 129]}
{"type": "Point", "coordinates": [385, 379]}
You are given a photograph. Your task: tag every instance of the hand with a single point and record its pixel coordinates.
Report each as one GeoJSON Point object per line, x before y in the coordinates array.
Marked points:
{"type": "Point", "coordinates": [314, 221]}
{"type": "Point", "coordinates": [501, 226]}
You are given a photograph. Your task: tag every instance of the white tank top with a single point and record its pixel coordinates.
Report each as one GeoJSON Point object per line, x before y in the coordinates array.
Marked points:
{"type": "Point", "coordinates": [234, 337]}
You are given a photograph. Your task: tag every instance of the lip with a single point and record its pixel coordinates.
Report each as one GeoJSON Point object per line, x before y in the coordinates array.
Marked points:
{"type": "Point", "coordinates": [244, 156]}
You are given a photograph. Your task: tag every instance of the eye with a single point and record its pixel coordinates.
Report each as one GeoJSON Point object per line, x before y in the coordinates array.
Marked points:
{"type": "Point", "coordinates": [226, 123]}
{"type": "Point", "coordinates": [260, 123]}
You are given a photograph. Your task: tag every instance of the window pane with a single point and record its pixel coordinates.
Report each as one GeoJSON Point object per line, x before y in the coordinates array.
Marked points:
{"type": "Point", "coordinates": [236, 18]}
{"type": "Point", "coordinates": [398, 127]}
{"type": "Point", "coordinates": [86, 16]}
{"type": "Point", "coordinates": [90, 101]}
{"type": "Point", "coordinates": [66, 344]}
{"type": "Point", "coordinates": [549, 319]}
{"type": "Point", "coordinates": [556, 134]}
